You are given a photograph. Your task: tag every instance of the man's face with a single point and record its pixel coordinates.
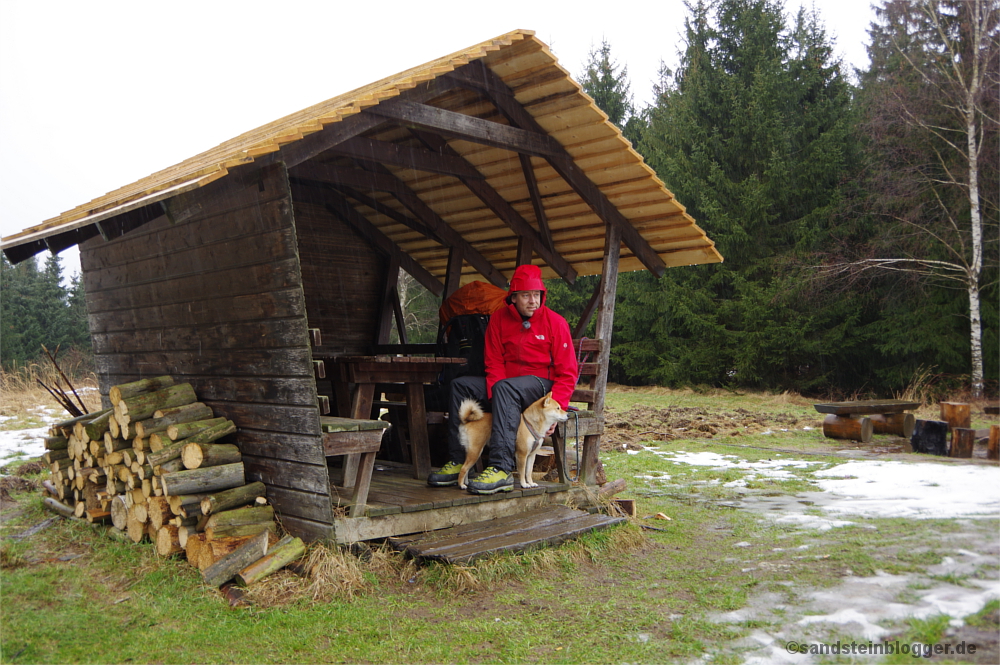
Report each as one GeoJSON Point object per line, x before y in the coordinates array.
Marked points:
{"type": "Point", "coordinates": [527, 302]}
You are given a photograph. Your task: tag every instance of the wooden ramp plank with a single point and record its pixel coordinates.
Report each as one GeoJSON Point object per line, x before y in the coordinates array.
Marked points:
{"type": "Point", "coordinates": [550, 525]}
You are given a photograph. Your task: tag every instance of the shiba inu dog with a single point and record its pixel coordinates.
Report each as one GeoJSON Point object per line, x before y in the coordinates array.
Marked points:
{"type": "Point", "coordinates": [476, 426]}
{"type": "Point", "coordinates": [474, 434]}
{"type": "Point", "coordinates": [535, 423]}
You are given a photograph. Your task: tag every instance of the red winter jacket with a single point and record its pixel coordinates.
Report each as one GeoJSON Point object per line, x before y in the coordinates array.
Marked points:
{"type": "Point", "coordinates": [544, 350]}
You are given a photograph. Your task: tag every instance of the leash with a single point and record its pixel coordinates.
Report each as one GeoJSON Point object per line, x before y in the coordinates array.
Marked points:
{"type": "Point", "coordinates": [576, 446]}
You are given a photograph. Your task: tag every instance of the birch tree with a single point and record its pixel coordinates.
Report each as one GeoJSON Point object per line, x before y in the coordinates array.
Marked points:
{"type": "Point", "coordinates": [931, 101]}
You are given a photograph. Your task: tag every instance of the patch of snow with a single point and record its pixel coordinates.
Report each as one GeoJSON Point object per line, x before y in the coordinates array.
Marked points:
{"type": "Point", "coordinates": [30, 442]}
{"type": "Point", "coordinates": [811, 521]}
{"type": "Point", "coordinates": [770, 468]}
{"type": "Point", "coordinates": [661, 477]}
{"type": "Point", "coordinates": [921, 490]}
{"type": "Point", "coordinates": [852, 617]}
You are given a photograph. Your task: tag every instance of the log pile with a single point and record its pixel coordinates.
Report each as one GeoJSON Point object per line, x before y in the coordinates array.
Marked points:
{"type": "Point", "coordinates": [153, 467]}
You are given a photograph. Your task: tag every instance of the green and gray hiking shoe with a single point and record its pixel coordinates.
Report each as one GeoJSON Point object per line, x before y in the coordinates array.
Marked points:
{"type": "Point", "coordinates": [445, 476]}
{"type": "Point", "coordinates": [491, 481]}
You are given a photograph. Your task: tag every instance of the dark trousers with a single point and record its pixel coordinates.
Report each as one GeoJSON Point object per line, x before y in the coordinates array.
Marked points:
{"type": "Point", "coordinates": [510, 398]}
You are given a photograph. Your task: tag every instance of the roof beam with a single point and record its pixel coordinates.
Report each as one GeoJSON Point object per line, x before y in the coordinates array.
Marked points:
{"type": "Point", "coordinates": [536, 201]}
{"type": "Point", "coordinates": [503, 210]}
{"type": "Point", "coordinates": [467, 127]}
{"type": "Point", "coordinates": [386, 182]}
{"type": "Point", "coordinates": [407, 157]}
{"type": "Point", "coordinates": [350, 126]}
{"type": "Point", "coordinates": [477, 76]}
{"type": "Point", "coordinates": [338, 206]}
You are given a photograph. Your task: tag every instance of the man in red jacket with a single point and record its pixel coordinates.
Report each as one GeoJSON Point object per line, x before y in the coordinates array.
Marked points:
{"type": "Point", "coordinates": [529, 351]}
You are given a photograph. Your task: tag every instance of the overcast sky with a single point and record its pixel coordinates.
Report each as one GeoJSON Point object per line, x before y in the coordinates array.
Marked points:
{"type": "Point", "coordinates": [97, 94]}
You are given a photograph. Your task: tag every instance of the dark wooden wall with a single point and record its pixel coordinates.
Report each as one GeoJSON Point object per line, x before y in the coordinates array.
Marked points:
{"type": "Point", "coordinates": [216, 300]}
{"type": "Point", "coordinates": [342, 277]}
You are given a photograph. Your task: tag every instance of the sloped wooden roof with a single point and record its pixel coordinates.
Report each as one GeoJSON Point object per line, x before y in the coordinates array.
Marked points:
{"type": "Point", "coordinates": [520, 75]}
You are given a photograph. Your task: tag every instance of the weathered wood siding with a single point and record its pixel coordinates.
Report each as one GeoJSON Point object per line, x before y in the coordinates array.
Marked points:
{"type": "Point", "coordinates": [342, 277]}
{"type": "Point", "coordinates": [217, 300]}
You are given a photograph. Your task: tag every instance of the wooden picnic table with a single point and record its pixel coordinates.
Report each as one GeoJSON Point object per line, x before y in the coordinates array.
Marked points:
{"type": "Point", "coordinates": [357, 377]}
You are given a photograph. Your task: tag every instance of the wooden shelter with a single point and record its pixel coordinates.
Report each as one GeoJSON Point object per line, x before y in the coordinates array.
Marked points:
{"type": "Point", "coordinates": [216, 269]}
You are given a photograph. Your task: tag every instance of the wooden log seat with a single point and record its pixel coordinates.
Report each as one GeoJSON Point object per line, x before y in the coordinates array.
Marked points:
{"type": "Point", "coordinates": [957, 414]}
{"type": "Point", "coordinates": [350, 436]}
{"type": "Point", "coordinates": [845, 427]}
{"type": "Point", "coordinates": [900, 424]}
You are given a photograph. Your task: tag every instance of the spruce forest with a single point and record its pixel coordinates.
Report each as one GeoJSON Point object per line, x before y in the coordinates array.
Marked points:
{"type": "Point", "coordinates": [857, 211]}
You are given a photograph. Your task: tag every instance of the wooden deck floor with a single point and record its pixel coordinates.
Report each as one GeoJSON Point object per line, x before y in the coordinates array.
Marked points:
{"type": "Point", "coordinates": [399, 504]}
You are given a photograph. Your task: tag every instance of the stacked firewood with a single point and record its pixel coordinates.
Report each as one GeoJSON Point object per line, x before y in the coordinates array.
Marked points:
{"type": "Point", "coordinates": [151, 466]}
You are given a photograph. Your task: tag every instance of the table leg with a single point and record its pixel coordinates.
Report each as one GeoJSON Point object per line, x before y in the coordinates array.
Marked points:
{"type": "Point", "coordinates": [359, 499]}
{"type": "Point", "coordinates": [417, 420]}
{"type": "Point", "coordinates": [361, 409]}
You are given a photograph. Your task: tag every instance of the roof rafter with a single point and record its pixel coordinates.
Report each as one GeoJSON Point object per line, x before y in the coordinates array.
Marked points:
{"type": "Point", "coordinates": [406, 156]}
{"type": "Point", "coordinates": [477, 76]}
{"type": "Point", "coordinates": [387, 182]}
{"type": "Point", "coordinates": [470, 128]}
{"type": "Point", "coordinates": [504, 210]}
{"type": "Point", "coordinates": [338, 206]}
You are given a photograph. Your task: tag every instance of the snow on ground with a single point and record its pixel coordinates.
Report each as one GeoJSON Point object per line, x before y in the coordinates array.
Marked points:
{"type": "Point", "coordinates": [19, 444]}
{"type": "Point", "coordinates": [865, 606]}
{"type": "Point", "coordinates": [876, 488]}
{"type": "Point", "coordinates": [922, 490]}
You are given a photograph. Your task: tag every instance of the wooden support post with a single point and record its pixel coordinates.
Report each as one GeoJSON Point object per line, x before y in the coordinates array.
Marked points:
{"type": "Point", "coordinates": [605, 323]}
{"type": "Point", "coordinates": [900, 424]}
{"type": "Point", "coordinates": [525, 248]}
{"type": "Point", "coordinates": [588, 311]}
{"type": "Point", "coordinates": [993, 448]}
{"type": "Point", "coordinates": [963, 440]}
{"type": "Point", "coordinates": [453, 276]}
{"type": "Point", "coordinates": [956, 414]}
{"type": "Point", "coordinates": [389, 287]}
{"type": "Point", "coordinates": [844, 427]}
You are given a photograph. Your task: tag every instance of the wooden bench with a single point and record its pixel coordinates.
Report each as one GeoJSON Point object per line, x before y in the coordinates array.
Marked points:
{"type": "Point", "coordinates": [586, 422]}
{"type": "Point", "coordinates": [860, 419]}
{"type": "Point", "coordinates": [350, 436]}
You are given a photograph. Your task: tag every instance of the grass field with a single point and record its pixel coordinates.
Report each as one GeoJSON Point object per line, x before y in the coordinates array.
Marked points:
{"type": "Point", "coordinates": [700, 584]}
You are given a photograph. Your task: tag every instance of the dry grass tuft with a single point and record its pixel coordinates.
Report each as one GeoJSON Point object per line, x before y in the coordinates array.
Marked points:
{"type": "Point", "coordinates": [920, 386]}
{"type": "Point", "coordinates": [336, 573]}
{"type": "Point", "coordinates": [282, 588]}
{"type": "Point", "coordinates": [20, 390]}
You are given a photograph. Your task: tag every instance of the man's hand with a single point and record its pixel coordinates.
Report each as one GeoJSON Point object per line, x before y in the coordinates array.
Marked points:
{"type": "Point", "coordinates": [552, 429]}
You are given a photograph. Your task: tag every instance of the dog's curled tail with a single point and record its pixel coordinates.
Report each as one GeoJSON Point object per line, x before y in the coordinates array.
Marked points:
{"type": "Point", "coordinates": [470, 411]}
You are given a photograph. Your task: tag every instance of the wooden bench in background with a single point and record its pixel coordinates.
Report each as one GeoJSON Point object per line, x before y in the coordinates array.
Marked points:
{"type": "Point", "coordinates": [351, 436]}
{"type": "Point", "coordinates": [859, 420]}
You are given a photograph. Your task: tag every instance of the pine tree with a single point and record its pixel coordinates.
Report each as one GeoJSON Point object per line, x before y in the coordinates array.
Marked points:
{"type": "Point", "coordinates": [36, 309]}
{"type": "Point", "coordinates": [610, 89]}
{"type": "Point", "coordinates": [752, 133]}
